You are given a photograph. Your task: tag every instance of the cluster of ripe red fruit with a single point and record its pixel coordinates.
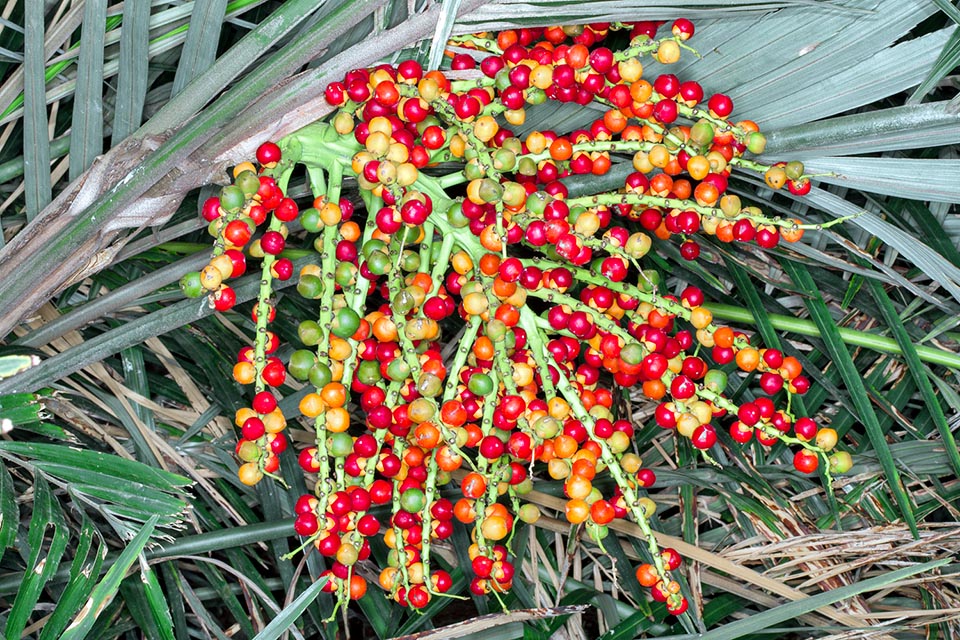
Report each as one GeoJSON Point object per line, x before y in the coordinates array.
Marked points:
{"type": "Point", "coordinates": [551, 312]}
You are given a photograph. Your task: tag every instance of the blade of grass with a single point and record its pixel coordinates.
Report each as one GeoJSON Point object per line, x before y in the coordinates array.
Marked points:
{"type": "Point", "coordinates": [854, 384]}
{"type": "Point", "coordinates": [106, 304]}
{"type": "Point", "coordinates": [941, 271]}
{"type": "Point", "coordinates": [9, 511]}
{"type": "Point", "coordinates": [36, 142]}
{"type": "Point", "coordinates": [200, 48]}
{"type": "Point", "coordinates": [43, 560]}
{"type": "Point", "coordinates": [758, 622]}
{"type": "Point", "coordinates": [930, 229]}
{"type": "Point", "coordinates": [132, 75]}
{"type": "Point", "coordinates": [178, 611]}
{"type": "Point", "coordinates": [918, 372]}
{"type": "Point", "coordinates": [107, 588]}
{"type": "Point", "coordinates": [948, 59]}
{"type": "Point", "coordinates": [86, 138]}
{"type": "Point", "coordinates": [228, 599]}
{"type": "Point", "coordinates": [890, 176]}
{"type": "Point", "coordinates": [84, 571]}
{"type": "Point", "coordinates": [218, 540]}
{"type": "Point", "coordinates": [438, 45]}
{"type": "Point", "coordinates": [156, 600]}
{"type": "Point", "coordinates": [135, 378]}
{"type": "Point", "coordinates": [96, 461]}
{"type": "Point", "coordinates": [133, 595]}
{"type": "Point", "coordinates": [208, 625]}
{"type": "Point", "coordinates": [291, 613]}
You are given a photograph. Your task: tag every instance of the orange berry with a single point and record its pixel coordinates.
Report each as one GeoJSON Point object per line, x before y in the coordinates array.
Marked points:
{"type": "Point", "coordinates": [577, 511]}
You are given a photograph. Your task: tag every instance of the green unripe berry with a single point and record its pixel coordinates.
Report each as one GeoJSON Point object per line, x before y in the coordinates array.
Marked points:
{"type": "Point", "coordinates": [702, 133]}
{"type": "Point", "coordinates": [411, 234]}
{"type": "Point", "coordinates": [345, 274]}
{"type": "Point", "coordinates": [527, 167]}
{"type": "Point", "coordinates": [429, 385]}
{"type": "Point", "coordinates": [248, 183]}
{"type": "Point", "coordinates": [840, 462]}
{"type": "Point", "coordinates": [410, 261]}
{"type": "Point", "coordinates": [513, 144]}
{"type": "Point", "coordinates": [320, 375]}
{"type": "Point", "coordinates": [730, 205]}
{"type": "Point", "coordinates": [490, 190]}
{"type": "Point", "coordinates": [529, 513]}
{"type": "Point", "coordinates": [412, 500]}
{"type": "Point", "coordinates": [496, 330]}
{"type": "Point", "coordinates": [513, 194]}
{"type": "Point", "coordinates": [632, 353]}
{"type": "Point", "coordinates": [535, 95]}
{"type": "Point", "coordinates": [310, 286]}
{"type": "Point", "coordinates": [397, 370]}
{"type": "Point", "coordinates": [756, 142]}
{"type": "Point", "coordinates": [340, 444]}
{"type": "Point", "coordinates": [378, 263]}
{"type": "Point", "coordinates": [715, 380]}
{"type": "Point", "coordinates": [371, 246]}
{"type": "Point", "coordinates": [649, 280]}
{"type": "Point", "coordinates": [310, 219]}
{"type": "Point", "coordinates": [368, 372]}
{"type": "Point", "coordinates": [232, 198]}
{"type": "Point", "coordinates": [402, 303]}
{"type": "Point", "coordinates": [190, 285]}
{"type": "Point", "coordinates": [638, 245]}
{"type": "Point", "coordinates": [309, 333]}
{"type": "Point", "coordinates": [523, 487]}
{"type": "Point", "coordinates": [597, 532]}
{"type": "Point", "coordinates": [504, 160]}
{"type": "Point", "coordinates": [537, 201]}
{"type": "Point", "coordinates": [301, 361]}
{"type": "Point", "coordinates": [345, 323]}
{"type": "Point", "coordinates": [249, 451]}
{"type": "Point", "coordinates": [455, 216]}
{"type": "Point", "coordinates": [618, 442]}
{"type": "Point", "coordinates": [794, 170]}
{"type": "Point", "coordinates": [472, 170]}
{"type": "Point", "coordinates": [480, 384]}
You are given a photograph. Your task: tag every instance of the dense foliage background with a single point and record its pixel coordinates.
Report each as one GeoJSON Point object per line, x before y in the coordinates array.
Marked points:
{"type": "Point", "coordinates": [121, 515]}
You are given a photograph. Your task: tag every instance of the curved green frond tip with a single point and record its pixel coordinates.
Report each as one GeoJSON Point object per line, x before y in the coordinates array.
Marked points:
{"type": "Point", "coordinates": [12, 365]}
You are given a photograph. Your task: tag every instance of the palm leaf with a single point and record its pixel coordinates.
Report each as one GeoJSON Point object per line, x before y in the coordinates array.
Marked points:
{"type": "Point", "coordinates": [142, 378]}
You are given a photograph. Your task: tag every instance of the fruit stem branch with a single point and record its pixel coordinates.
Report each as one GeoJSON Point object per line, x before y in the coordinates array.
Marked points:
{"type": "Point", "coordinates": [800, 326]}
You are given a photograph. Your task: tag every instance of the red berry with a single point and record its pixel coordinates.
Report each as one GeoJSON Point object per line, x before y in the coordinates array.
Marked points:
{"type": "Point", "coordinates": [282, 269]}
{"type": "Point", "coordinates": [678, 607]}
{"type": "Point", "coordinates": [264, 402]}
{"type": "Point", "coordinates": [720, 104]}
{"type": "Point", "coordinates": [211, 209]}
{"type": "Point", "coordinates": [224, 298]}
{"type": "Point", "coordinates": [805, 461]}
{"type": "Point", "coordinates": [690, 250]}
{"type": "Point", "coordinates": [682, 28]}
{"type": "Point", "coordinates": [268, 154]}
{"type": "Point", "coordinates": [306, 524]}
{"type": "Point", "coordinates": [272, 243]}
{"type": "Point", "coordinates": [286, 210]}
{"type": "Point", "coordinates": [665, 111]}
{"type": "Point", "coordinates": [704, 437]}
{"type": "Point", "coordinates": [805, 428]}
